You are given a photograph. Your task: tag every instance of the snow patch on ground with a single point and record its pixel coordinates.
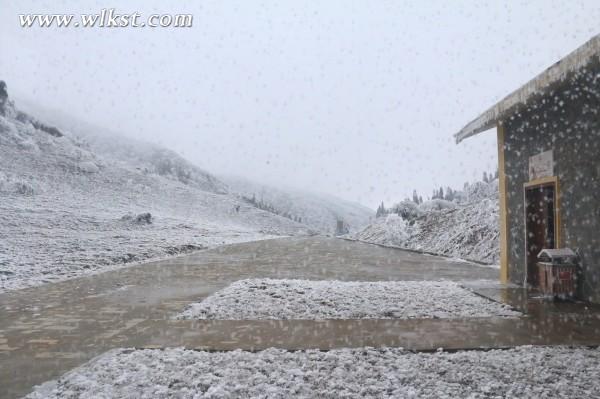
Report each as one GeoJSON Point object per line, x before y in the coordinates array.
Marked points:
{"type": "Point", "coordinates": [310, 300]}
{"type": "Point", "coordinates": [525, 372]}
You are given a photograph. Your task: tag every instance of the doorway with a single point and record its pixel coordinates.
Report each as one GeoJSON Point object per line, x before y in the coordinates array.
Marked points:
{"type": "Point", "coordinates": [540, 224]}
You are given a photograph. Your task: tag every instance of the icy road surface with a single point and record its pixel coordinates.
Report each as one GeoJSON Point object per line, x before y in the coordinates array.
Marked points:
{"type": "Point", "coordinates": [312, 300]}
{"type": "Point", "coordinates": [49, 330]}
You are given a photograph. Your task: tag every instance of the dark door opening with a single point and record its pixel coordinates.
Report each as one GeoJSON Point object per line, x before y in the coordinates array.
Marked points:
{"type": "Point", "coordinates": [539, 225]}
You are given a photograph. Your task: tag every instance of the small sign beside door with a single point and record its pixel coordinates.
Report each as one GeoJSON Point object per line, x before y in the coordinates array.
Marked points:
{"type": "Point", "coordinates": [541, 165]}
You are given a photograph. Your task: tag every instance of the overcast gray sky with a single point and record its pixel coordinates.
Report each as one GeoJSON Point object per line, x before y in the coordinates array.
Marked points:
{"type": "Point", "coordinates": [354, 98]}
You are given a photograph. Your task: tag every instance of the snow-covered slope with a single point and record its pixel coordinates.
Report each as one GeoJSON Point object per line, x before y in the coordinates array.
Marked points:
{"type": "Point", "coordinates": [147, 157]}
{"type": "Point", "coordinates": [150, 158]}
{"type": "Point", "coordinates": [67, 210]}
{"type": "Point", "coordinates": [468, 230]}
{"type": "Point", "coordinates": [319, 211]}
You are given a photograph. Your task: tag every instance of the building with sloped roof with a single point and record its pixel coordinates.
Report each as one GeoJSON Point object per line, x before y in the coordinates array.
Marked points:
{"type": "Point", "coordinates": [548, 134]}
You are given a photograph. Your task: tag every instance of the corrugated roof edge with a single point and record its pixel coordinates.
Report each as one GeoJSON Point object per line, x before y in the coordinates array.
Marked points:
{"type": "Point", "coordinates": [572, 62]}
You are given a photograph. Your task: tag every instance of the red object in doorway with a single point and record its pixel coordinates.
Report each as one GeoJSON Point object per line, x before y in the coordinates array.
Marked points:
{"type": "Point", "coordinates": [557, 280]}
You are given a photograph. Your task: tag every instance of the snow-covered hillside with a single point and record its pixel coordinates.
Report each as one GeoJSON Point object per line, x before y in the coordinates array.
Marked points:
{"type": "Point", "coordinates": [319, 211]}
{"type": "Point", "coordinates": [147, 157]}
{"type": "Point", "coordinates": [468, 229]}
{"type": "Point", "coordinates": [67, 209]}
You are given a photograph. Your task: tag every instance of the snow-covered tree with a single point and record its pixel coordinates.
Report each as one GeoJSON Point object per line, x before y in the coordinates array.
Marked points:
{"type": "Point", "coordinates": [407, 209]}
{"type": "Point", "coordinates": [449, 194]}
{"type": "Point", "coordinates": [415, 197]}
{"type": "Point", "coordinates": [381, 210]}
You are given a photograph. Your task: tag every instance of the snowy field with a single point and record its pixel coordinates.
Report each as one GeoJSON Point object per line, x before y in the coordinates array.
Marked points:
{"type": "Point", "coordinates": [310, 300]}
{"type": "Point", "coordinates": [526, 372]}
{"type": "Point", "coordinates": [43, 246]}
{"type": "Point", "coordinates": [48, 238]}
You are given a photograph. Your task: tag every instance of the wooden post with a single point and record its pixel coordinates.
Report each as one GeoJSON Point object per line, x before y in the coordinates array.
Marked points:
{"type": "Point", "coordinates": [503, 206]}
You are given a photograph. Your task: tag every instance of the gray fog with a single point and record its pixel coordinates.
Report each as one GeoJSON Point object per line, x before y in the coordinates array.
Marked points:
{"type": "Point", "coordinates": [353, 98]}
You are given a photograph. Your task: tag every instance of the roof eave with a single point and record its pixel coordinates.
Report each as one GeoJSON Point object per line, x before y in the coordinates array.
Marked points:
{"type": "Point", "coordinates": [538, 85]}
{"type": "Point", "coordinates": [476, 126]}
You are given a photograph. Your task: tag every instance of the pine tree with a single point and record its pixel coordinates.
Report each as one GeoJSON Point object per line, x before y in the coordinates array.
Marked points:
{"type": "Point", "coordinates": [415, 197]}
{"type": "Point", "coordinates": [449, 194]}
{"type": "Point", "coordinates": [485, 177]}
{"type": "Point", "coordinates": [380, 210]}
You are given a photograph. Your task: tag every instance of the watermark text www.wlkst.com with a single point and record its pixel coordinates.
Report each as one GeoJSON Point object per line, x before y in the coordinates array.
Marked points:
{"type": "Point", "coordinates": [107, 18]}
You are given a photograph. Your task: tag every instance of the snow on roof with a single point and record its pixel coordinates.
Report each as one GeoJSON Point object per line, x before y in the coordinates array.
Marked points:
{"type": "Point", "coordinates": [557, 253]}
{"type": "Point", "coordinates": [557, 72]}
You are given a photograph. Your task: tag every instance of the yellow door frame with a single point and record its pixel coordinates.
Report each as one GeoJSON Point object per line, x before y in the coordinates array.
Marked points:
{"type": "Point", "coordinates": [541, 182]}
{"type": "Point", "coordinates": [548, 181]}
{"type": "Point", "coordinates": [503, 205]}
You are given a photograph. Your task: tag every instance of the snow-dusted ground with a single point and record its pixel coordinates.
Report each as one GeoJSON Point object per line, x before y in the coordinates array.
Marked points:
{"type": "Point", "coordinates": [526, 372]}
{"type": "Point", "coordinates": [64, 207]}
{"type": "Point", "coordinates": [305, 299]}
{"type": "Point", "coordinates": [468, 230]}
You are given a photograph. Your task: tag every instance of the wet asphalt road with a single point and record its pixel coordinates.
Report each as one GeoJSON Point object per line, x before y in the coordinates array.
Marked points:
{"type": "Point", "coordinates": [46, 331]}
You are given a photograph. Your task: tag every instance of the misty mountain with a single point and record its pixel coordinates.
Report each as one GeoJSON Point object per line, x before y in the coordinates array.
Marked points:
{"type": "Point", "coordinates": [68, 208]}
{"type": "Point", "coordinates": [147, 157]}
{"type": "Point", "coordinates": [318, 211]}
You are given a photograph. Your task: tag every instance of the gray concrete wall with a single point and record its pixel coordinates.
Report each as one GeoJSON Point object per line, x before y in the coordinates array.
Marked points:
{"type": "Point", "coordinates": [566, 121]}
